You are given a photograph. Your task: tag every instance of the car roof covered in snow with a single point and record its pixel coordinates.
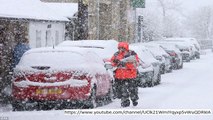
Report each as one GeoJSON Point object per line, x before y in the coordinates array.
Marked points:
{"type": "Point", "coordinates": [62, 59]}
{"type": "Point", "coordinates": [57, 49]}
{"type": "Point", "coordinates": [156, 49]}
{"type": "Point", "coordinates": [104, 48]}
{"type": "Point", "coordinates": [143, 53]}
{"type": "Point", "coordinates": [92, 43]}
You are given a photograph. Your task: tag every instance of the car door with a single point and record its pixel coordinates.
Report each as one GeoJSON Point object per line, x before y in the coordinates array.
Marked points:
{"type": "Point", "coordinates": [101, 75]}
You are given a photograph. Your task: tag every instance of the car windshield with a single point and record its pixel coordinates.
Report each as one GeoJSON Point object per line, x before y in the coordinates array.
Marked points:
{"type": "Point", "coordinates": [51, 58]}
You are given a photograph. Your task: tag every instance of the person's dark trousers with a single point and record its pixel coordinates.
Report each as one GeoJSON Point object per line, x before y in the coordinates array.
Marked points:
{"type": "Point", "coordinates": [125, 89]}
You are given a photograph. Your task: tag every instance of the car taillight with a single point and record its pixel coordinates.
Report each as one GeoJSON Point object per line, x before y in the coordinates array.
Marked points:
{"type": "Point", "coordinates": [19, 78]}
{"type": "Point", "coordinates": [172, 54]}
{"type": "Point", "coordinates": [80, 77]}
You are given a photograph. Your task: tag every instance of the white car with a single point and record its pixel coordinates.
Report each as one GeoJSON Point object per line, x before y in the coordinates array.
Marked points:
{"type": "Point", "coordinates": [174, 52]}
{"type": "Point", "coordinates": [192, 42]}
{"type": "Point", "coordinates": [161, 55]}
{"type": "Point", "coordinates": [185, 48]}
{"type": "Point", "coordinates": [149, 70]}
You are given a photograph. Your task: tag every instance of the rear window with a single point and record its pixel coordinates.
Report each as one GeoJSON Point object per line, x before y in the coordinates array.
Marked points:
{"type": "Point", "coordinates": [52, 59]}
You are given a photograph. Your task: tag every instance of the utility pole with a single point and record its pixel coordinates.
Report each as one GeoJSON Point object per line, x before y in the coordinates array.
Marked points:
{"type": "Point", "coordinates": [137, 4]}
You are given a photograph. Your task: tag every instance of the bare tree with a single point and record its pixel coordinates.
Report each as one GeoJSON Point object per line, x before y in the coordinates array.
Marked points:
{"type": "Point", "coordinates": [170, 23]}
{"type": "Point", "coordinates": [169, 5]}
{"type": "Point", "coordinates": [200, 23]}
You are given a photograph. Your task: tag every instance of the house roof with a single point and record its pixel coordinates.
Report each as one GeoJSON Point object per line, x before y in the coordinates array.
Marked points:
{"type": "Point", "coordinates": [29, 9]}
{"type": "Point", "coordinates": [67, 10]}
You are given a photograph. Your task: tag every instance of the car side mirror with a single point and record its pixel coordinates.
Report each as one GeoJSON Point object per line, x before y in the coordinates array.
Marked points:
{"type": "Point", "coordinates": [108, 66]}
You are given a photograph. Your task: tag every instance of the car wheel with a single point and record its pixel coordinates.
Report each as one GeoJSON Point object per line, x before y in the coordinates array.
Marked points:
{"type": "Point", "coordinates": [158, 79]}
{"type": "Point", "coordinates": [198, 56]}
{"type": "Point", "coordinates": [188, 60]}
{"type": "Point", "coordinates": [18, 106]}
{"type": "Point", "coordinates": [163, 70]}
{"type": "Point", "coordinates": [110, 94]}
{"type": "Point", "coordinates": [151, 83]}
{"type": "Point", "coordinates": [181, 66]}
{"type": "Point", "coordinates": [92, 103]}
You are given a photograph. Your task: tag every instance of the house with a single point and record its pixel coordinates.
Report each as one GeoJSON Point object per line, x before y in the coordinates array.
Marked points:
{"type": "Point", "coordinates": [31, 19]}
{"type": "Point", "coordinates": [68, 10]}
{"type": "Point", "coordinates": [43, 25]}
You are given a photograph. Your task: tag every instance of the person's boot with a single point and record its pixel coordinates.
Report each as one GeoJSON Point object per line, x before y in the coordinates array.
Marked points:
{"type": "Point", "coordinates": [135, 102]}
{"type": "Point", "coordinates": [125, 103]}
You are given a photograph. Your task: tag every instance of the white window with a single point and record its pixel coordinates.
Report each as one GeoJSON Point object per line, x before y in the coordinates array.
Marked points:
{"type": "Point", "coordinates": [48, 38]}
{"type": "Point", "coordinates": [38, 38]}
{"type": "Point", "coordinates": [56, 37]}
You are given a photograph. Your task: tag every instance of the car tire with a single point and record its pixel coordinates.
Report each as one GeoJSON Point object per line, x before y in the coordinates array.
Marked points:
{"type": "Point", "coordinates": [109, 95]}
{"type": "Point", "coordinates": [198, 57]}
{"type": "Point", "coordinates": [158, 79]}
{"type": "Point", "coordinates": [181, 66]}
{"type": "Point", "coordinates": [188, 60]}
{"type": "Point", "coordinates": [151, 83]}
{"type": "Point", "coordinates": [18, 106]}
{"type": "Point", "coordinates": [92, 102]}
{"type": "Point", "coordinates": [163, 71]}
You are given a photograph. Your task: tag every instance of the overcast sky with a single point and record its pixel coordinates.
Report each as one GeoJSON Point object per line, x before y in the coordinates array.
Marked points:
{"type": "Point", "coordinates": [188, 5]}
{"type": "Point", "coordinates": [191, 5]}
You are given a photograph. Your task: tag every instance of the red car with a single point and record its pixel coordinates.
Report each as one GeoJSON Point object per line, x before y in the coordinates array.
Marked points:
{"type": "Point", "coordinates": [60, 76]}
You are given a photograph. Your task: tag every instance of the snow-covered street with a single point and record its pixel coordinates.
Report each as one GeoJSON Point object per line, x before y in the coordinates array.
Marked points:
{"type": "Point", "coordinates": [188, 88]}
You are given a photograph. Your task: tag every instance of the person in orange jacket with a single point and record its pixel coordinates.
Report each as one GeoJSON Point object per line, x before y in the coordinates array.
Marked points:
{"type": "Point", "coordinates": [126, 62]}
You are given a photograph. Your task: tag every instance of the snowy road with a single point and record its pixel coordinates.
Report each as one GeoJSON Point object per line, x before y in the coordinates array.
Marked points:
{"type": "Point", "coordinates": [189, 88]}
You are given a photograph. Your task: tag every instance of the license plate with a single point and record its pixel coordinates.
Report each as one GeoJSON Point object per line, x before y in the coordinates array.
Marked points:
{"type": "Point", "coordinates": [48, 91]}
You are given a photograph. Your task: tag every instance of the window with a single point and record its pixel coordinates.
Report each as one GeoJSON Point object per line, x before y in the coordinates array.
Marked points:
{"type": "Point", "coordinates": [38, 38]}
{"type": "Point", "coordinates": [48, 38]}
{"type": "Point", "coordinates": [56, 37]}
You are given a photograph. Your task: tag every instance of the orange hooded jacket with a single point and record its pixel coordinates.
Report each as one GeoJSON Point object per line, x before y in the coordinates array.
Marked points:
{"type": "Point", "coordinates": [125, 70]}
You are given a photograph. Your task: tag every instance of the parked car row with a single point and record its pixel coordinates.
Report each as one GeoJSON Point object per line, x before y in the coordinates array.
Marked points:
{"type": "Point", "coordinates": [75, 71]}
{"type": "Point", "coordinates": [168, 54]}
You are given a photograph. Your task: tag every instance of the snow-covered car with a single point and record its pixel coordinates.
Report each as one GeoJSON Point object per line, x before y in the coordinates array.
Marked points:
{"type": "Point", "coordinates": [191, 43]}
{"type": "Point", "coordinates": [160, 54]}
{"type": "Point", "coordinates": [103, 48]}
{"type": "Point", "coordinates": [196, 46]}
{"type": "Point", "coordinates": [106, 47]}
{"type": "Point", "coordinates": [65, 76]}
{"type": "Point", "coordinates": [184, 47]}
{"type": "Point", "coordinates": [149, 68]}
{"type": "Point", "coordinates": [174, 52]}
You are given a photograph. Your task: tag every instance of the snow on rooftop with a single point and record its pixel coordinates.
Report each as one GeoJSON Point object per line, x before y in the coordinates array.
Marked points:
{"type": "Point", "coordinates": [28, 9]}
{"type": "Point", "coordinates": [65, 9]}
